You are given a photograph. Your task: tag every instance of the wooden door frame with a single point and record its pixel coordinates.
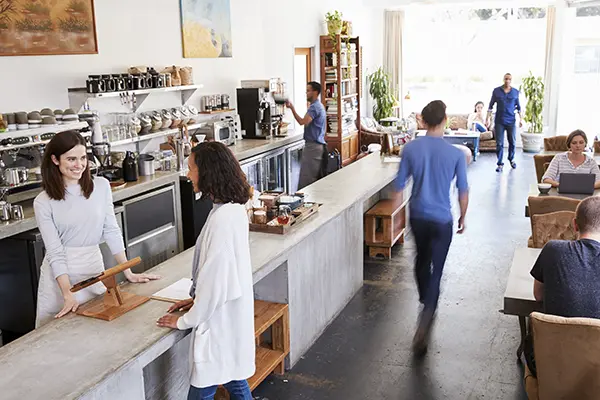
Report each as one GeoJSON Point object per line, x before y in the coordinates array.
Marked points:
{"type": "Point", "coordinates": [306, 51]}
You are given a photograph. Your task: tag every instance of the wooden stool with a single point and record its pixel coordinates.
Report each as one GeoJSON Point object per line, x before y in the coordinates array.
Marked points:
{"type": "Point", "coordinates": [385, 224]}
{"type": "Point", "coordinates": [270, 356]}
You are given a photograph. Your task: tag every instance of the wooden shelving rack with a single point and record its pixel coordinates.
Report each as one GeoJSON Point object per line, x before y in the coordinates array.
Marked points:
{"type": "Point", "coordinates": [271, 354]}
{"type": "Point", "coordinates": [341, 79]}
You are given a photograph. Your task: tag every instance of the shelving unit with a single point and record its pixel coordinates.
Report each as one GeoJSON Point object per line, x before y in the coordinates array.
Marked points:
{"type": "Point", "coordinates": [341, 94]}
{"type": "Point", "coordinates": [153, 135]}
{"type": "Point", "coordinates": [79, 96]}
{"type": "Point", "coordinates": [270, 357]}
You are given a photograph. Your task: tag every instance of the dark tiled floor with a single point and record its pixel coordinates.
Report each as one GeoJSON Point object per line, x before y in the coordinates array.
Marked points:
{"type": "Point", "coordinates": [365, 353]}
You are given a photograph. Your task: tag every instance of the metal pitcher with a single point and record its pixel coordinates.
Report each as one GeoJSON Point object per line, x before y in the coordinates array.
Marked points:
{"type": "Point", "coordinates": [17, 212]}
{"type": "Point", "coordinates": [5, 211]}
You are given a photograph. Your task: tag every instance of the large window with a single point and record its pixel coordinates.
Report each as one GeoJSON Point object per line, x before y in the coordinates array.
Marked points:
{"type": "Point", "coordinates": [579, 101]}
{"type": "Point", "coordinates": [459, 55]}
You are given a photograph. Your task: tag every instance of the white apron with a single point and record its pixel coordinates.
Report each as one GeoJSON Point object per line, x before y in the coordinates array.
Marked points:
{"type": "Point", "coordinates": [82, 263]}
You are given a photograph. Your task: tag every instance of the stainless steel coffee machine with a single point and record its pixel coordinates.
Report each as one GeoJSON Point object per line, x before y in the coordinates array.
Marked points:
{"type": "Point", "coordinates": [255, 112]}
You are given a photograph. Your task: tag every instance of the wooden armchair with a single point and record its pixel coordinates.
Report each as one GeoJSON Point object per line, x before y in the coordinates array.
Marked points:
{"type": "Point", "coordinates": [542, 161]}
{"type": "Point", "coordinates": [566, 353]}
{"type": "Point", "coordinates": [553, 226]}
{"type": "Point", "coordinates": [540, 205]}
{"type": "Point", "coordinates": [556, 143]}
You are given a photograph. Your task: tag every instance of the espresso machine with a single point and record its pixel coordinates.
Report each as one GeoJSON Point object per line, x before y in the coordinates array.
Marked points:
{"type": "Point", "coordinates": [259, 114]}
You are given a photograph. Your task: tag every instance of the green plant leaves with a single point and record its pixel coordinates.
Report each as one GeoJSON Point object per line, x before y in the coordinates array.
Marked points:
{"type": "Point", "coordinates": [380, 91]}
{"type": "Point", "coordinates": [533, 89]}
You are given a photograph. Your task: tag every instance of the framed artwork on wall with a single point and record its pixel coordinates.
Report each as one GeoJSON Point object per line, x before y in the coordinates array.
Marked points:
{"type": "Point", "coordinates": [206, 28]}
{"type": "Point", "coordinates": [47, 27]}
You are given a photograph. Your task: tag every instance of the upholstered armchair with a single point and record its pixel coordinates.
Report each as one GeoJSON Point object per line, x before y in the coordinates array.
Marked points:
{"type": "Point", "coordinates": [544, 205]}
{"type": "Point", "coordinates": [556, 143]}
{"type": "Point", "coordinates": [552, 226]}
{"type": "Point", "coordinates": [566, 353]}
{"type": "Point", "coordinates": [542, 161]}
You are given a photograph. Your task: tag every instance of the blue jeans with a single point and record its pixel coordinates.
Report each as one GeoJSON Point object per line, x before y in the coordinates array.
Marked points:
{"type": "Point", "coordinates": [433, 242]}
{"type": "Point", "coordinates": [511, 131]}
{"type": "Point", "coordinates": [238, 390]}
{"type": "Point", "coordinates": [480, 127]}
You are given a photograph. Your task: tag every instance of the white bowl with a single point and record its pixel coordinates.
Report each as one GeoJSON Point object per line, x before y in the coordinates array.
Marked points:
{"type": "Point", "coordinates": [544, 188]}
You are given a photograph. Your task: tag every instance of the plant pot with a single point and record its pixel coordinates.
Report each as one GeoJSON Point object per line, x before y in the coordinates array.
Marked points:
{"type": "Point", "coordinates": [532, 142]}
{"type": "Point", "coordinates": [347, 28]}
{"type": "Point", "coordinates": [334, 27]}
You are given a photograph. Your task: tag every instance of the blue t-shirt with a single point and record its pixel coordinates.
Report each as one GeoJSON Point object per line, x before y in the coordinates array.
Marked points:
{"type": "Point", "coordinates": [506, 104]}
{"type": "Point", "coordinates": [432, 163]}
{"type": "Point", "coordinates": [570, 272]}
{"type": "Point", "coordinates": [315, 131]}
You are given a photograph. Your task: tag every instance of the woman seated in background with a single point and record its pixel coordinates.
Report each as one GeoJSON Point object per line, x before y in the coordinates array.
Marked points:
{"type": "Point", "coordinates": [573, 161]}
{"type": "Point", "coordinates": [476, 120]}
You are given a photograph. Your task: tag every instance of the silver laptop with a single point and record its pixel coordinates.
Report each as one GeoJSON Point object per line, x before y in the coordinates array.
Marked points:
{"type": "Point", "coordinates": [577, 183]}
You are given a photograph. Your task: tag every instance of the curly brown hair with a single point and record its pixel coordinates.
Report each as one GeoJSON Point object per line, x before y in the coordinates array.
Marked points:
{"type": "Point", "coordinates": [219, 174]}
{"type": "Point", "coordinates": [52, 181]}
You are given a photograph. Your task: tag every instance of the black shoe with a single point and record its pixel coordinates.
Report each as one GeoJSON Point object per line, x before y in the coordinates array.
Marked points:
{"type": "Point", "coordinates": [499, 168]}
{"type": "Point", "coordinates": [513, 165]}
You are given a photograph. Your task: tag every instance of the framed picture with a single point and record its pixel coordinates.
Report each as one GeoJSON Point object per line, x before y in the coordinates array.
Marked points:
{"type": "Point", "coordinates": [206, 28]}
{"type": "Point", "coordinates": [47, 27]}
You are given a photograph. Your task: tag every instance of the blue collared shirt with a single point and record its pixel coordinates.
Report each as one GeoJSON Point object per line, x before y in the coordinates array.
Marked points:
{"type": "Point", "coordinates": [506, 104]}
{"type": "Point", "coordinates": [315, 131]}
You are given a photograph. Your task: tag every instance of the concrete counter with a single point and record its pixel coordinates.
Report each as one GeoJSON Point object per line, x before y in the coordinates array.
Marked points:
{"type": "Point", "coordinates": [316, 269]}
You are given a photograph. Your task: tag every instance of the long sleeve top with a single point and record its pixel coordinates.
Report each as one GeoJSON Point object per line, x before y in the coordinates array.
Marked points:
{"type": "Point", "coordinates": [506, 105]}
{"type": "Point", "coordinates": [475, 117]}
{"type": "Point", "coordinates": [223, 312]}
{"type": "Point", "coordinates": [561, 164]}
{"type": "Point", "coordinates": [77, 222]}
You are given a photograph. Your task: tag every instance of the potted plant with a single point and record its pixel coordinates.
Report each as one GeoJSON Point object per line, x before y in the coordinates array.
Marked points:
{"type": "Point", "coordinates": [533, 89]}
{"type": "Point", "coordinates": [381, 92]}
{"type": "Point", "coordinates": [334, 24]}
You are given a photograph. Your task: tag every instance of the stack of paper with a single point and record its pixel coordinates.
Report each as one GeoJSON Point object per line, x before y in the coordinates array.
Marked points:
{"type": "Point", "coordinates": [178, 291]}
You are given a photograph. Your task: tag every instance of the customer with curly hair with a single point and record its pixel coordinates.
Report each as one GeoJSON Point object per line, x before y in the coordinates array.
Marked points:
{"type": "Point", "coordinates": [221, 308]}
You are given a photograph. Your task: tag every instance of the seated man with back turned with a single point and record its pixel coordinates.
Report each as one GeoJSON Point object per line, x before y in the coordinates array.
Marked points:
{"type": "Point", "coordinates": [567, 273]}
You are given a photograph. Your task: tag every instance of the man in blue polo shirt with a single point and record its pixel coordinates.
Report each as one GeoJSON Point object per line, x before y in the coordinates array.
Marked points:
{"type": "Point", "coordinates": [506, 99]}
{"type": "Point", "coordinates": [315, 149]}
{"type": "Point", "coordinates": [433, 164]}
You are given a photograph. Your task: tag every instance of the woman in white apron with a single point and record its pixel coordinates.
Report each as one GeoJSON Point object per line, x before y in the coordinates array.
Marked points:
{"type": "Point", "coordinates": [74, 214]}
{"type": "Point", "coordinates": [221, 313]}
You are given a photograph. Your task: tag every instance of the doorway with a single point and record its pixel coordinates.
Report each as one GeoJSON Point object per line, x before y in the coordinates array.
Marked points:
{"type": "Point", "coordinates": [302, 75]}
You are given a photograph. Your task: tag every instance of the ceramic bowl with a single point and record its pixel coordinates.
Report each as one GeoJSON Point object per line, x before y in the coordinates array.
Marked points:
{"type": "Point", "coordinates": [48, 120]}
{"type": "Point", "coordinates": [544, 188]}
{"type": "Point", "coordinates": [22, 127]}
{"type": "Point", "coordinates": [48, 112]}
{"type": "Point", "coordinates": [21, 118]}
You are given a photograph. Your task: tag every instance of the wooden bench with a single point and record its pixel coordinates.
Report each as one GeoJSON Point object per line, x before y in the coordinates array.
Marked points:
{"type": "Point", "coordinates": [272, 333]}
{"type": "Point", "coordinates": [385, 224]}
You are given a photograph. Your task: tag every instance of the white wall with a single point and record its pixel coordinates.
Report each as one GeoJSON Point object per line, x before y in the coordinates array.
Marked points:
{"type": "Point", "coordinates": [147, 32]}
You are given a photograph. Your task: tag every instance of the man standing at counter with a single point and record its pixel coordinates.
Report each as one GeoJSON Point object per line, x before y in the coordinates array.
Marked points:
{"type": "Point", "coordinates": [314, 122]}
{"type": "Point", "coordinates": [433, 164]}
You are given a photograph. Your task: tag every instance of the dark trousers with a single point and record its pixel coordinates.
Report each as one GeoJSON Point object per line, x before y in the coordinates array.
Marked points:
{"type": "Point", "coordinates": [433, 242]}
{"type": "Point", "coordinates": [510, 130]}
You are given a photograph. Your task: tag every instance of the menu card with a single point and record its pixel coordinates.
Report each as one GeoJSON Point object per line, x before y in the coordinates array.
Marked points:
{"type": "Point", "coordinates": [178, 291]}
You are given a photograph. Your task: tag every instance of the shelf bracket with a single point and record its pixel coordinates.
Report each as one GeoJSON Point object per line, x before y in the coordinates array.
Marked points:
{"type": "Point", "coordinates": [186, 94]}
{"type": "Point", "coordinates": [138, 100]}
{"type": "Point", "coordinates": [77, 100]}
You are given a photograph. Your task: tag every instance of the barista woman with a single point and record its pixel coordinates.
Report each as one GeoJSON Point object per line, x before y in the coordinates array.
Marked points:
{"type": "Point", "coordinates": [74, 214]}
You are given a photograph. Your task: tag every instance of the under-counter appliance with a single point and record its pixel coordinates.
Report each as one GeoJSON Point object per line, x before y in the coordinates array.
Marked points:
{"type": "Point", "coordinates": [294, 160]}
{"type": "Point", "coordinates": [194, 212]}
{"type": "Point", "coordinates": [219, 131]}
{"type": "Point", "coordinates": [150, 227]}
{"type": "Point", "coordinates": [275, 171]}
{"type": "Point", "coordinates": [253, 168]}
{"type": "Point", "coordinates": [22, 257]}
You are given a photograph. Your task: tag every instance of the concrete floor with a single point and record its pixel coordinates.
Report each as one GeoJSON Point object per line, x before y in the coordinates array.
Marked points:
{"type": "Point", "coordinates": [366, 352]}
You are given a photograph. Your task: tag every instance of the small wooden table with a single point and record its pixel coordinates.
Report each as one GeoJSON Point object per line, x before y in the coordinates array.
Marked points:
{"type": "Point", "coordinates": [518, 297]}
{"type": "Point", "coordinates": [533, 192]}
{"type": "Point", "coordinates": [462, 137]}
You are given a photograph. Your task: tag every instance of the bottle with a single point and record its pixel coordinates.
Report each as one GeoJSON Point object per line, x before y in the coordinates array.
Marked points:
{"type": "Point", "coordinates": [130, 172]}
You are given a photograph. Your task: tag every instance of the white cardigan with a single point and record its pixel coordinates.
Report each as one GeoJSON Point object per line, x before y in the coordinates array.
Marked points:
{"type": "Point", "coordinates": [222, 316]}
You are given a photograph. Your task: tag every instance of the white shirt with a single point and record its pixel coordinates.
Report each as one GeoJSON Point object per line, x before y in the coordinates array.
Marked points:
{"type": "Point", "coordinates": [77, 222]}
{"type": "Point", "coordinates": [561, 164]}
{"type": "Point", "coordinates": [223, 347]}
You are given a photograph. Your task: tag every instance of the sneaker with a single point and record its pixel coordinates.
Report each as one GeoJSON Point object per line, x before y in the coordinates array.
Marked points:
{"type": "Point", "coordinates": [513, 165]}
{"type": "Point", "coordinates": [499, 168]}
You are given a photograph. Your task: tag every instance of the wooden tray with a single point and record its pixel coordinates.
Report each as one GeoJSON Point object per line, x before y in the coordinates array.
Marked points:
{"type": "Point", "coordinates": [298, 216]}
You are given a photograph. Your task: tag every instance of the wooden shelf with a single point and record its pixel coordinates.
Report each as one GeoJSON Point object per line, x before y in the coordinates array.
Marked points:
{"type": "Point", "coordinates": [343, 80]}
{"type": "Point", "coordinates": [265, 315]}
{"type": "Point", "coordinates": [343, 67]}
{"type": "Point", "coordinates": [267, 361]}
{"type": "Point", "coordinates": [349, 96]}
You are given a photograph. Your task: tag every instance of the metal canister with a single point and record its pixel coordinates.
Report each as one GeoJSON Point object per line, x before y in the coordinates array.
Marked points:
{"type": "Point", "coordinates": [5, 211]}
{"type": "Point", "coordinates": [16, 212]}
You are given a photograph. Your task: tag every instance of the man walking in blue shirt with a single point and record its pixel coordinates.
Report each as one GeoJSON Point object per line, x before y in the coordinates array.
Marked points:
{"type": "Point", "coordinates": [506, 99]}
{"type": "Point", "coordinates": [315, 149]}
{"type": "Point", "coordinates": [433, 164]}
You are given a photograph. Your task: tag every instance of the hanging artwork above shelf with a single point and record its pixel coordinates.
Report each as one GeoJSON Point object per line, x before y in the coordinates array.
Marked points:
{"type": "Point", "coordinates": [206, 28]}
{"type": "Point", "coordinates": [47, 27]}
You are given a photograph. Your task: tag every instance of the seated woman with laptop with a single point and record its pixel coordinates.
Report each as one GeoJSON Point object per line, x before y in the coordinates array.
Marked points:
{"type": "Point", "coordinates": [574, 161]}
